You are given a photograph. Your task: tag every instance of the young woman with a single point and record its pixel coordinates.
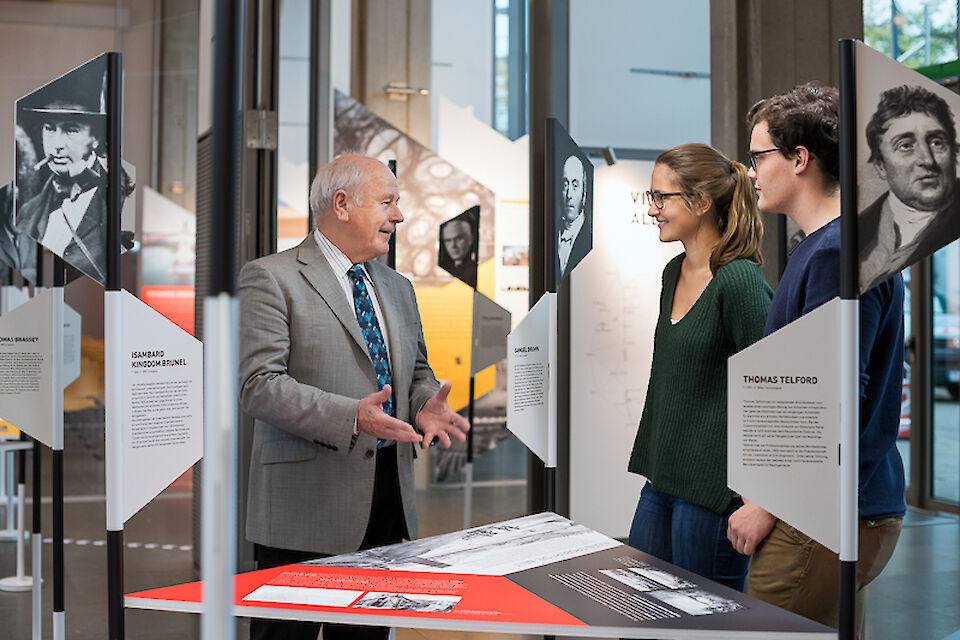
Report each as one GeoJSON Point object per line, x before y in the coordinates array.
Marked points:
{"type": "Point", "coordinates": [713, 304]}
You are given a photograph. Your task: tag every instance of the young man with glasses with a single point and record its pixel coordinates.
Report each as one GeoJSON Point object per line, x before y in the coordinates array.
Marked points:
{"type": "Point", "coordinates": [788, 568]}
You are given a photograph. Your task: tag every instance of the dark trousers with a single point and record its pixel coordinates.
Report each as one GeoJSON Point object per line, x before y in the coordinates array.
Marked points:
{"type": "Point", "coordinates": [386, 526]}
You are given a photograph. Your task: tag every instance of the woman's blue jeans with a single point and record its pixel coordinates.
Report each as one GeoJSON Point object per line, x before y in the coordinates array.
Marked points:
{"type": "Point", "coordinates": [688, 535]}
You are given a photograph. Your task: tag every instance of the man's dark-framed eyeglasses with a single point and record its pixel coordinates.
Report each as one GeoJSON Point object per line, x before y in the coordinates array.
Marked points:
{"type": "Point", "coordinates": [752, 156]}
{"type": "Point", "coordinates": [656, 197]}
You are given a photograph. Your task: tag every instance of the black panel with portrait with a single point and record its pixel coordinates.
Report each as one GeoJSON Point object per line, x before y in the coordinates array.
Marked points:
{"type": "Point", "coordinates": [569, 204]}
{"type": "Point", "coordinates": [459, 246]}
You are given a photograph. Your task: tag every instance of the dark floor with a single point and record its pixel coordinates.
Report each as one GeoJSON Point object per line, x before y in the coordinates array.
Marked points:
{"type": "Point", "coordinates": [916, 598]}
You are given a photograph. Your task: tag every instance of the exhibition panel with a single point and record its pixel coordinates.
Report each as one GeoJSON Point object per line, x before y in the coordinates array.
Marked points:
{"type": "Point", "coordinates": [783, 434]}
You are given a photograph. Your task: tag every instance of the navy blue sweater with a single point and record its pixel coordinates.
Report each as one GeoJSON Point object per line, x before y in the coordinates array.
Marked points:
{"type": "Point", "coordinates": [812, 277]}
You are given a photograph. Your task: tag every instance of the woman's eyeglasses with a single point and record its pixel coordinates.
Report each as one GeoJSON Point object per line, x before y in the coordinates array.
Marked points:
{"type": "Point", "coordinates": [656, 197]}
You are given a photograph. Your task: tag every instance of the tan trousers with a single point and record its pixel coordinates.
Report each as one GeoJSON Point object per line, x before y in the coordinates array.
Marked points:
{"type": "Point", "coordinates": [794, 572]}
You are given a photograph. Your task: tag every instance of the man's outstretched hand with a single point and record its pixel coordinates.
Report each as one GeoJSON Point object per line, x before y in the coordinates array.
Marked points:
{"type": "Point", "coordinates": [438, 421]}
{"type": "Point", "coordinates": [371, 419]}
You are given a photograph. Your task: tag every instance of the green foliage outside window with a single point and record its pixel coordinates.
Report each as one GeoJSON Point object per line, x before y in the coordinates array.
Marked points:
{"type": "Point", "coordinates": [912, 20]}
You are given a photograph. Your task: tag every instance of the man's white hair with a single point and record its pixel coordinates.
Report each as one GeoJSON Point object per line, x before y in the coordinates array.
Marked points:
{"type": "Point", "coordinates": [342, 173]}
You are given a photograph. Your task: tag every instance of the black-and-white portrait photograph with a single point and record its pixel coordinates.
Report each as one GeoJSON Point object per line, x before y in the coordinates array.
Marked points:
{"type": "Point", "coordinates": [459, 246]}
{"type": "Point", "coordinates": [17, 251]}
{"type": "Point", "coordinates": [408, 602]}
{"type": "Point", "coordinates": [65, 122]}
{"type": "Point", "coordinates": [907, 167]}
{"type": "Point", "coordinates": [570, 197]}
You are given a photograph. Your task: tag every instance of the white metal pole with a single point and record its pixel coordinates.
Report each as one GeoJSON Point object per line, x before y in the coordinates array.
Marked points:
{"type": "Point", "coordinates": [849, 426]}
{"type": "Point", "coordinates": [219, 490]}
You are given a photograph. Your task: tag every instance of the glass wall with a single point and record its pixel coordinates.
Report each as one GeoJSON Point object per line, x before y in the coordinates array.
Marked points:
{"type": "Point", "coordinates": [918, 34]}
{"type": "Point", "coordinates": [293, 129]}
{"type": "Point", "coordinates": [945, 436]}
{"type": "Point", "coordinates": [478, 70]}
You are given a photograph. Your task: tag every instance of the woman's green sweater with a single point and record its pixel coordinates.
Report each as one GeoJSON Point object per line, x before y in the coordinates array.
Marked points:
{"type": "Point", "coordinates": [681, 444]}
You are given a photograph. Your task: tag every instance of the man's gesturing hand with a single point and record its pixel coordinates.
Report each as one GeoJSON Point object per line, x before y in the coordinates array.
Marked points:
{"type": "Point", "coordinates": [371, 419]}
{"type": "Point", "coordinates": [437, 420]}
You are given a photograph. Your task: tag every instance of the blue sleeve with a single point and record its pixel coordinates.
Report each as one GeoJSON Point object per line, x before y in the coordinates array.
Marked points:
{"type": "Point", "coordinates": [823, 278]}
{"type": "Point", "coordinates": [873, 306]}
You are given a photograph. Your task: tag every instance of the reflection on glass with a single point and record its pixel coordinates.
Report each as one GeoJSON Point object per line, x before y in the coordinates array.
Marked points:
{"type": "Point", "coordinates": [293, 131]}
{"type": "Point", "coordinates": [946, 375]}
{"type": "Point", "coordinates": [903, 437]}
{"type": "Point", "coordinates": [501, 69]}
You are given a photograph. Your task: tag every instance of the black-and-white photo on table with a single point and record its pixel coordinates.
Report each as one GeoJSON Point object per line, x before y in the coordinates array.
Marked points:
{"type": "Point", "coordinates": [408, 602]}
{"type": "Point", "coordinates": [661, 577]}
{"type": "Point", "coordinates": [696, 602]}
{"type": "Point", "coordinates": [494, 549]}
{"type": "Point", "coordinates": [632, 579]}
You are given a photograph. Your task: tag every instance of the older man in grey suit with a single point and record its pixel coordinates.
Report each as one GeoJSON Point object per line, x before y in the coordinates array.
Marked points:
{"type": "Point", "coordinates": [334, 370]}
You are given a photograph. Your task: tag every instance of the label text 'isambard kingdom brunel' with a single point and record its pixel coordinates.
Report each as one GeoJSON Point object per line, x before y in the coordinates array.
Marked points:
{"type": "Point", "coordinates": [160, 411]}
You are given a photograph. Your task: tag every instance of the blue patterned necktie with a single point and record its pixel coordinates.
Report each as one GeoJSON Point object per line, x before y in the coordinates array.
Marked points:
{"type": "Point", "coordinates": [370, 328]}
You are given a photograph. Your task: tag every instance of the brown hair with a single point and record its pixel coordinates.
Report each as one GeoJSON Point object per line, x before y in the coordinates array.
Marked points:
{"type": "Point", "coordinates": [702, 170]}
{"type": "Point", "coordinates": [808, 115]}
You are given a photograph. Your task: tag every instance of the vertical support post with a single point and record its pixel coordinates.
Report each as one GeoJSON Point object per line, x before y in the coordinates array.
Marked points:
{"type": "Point", "coordinates": [392, 243]}
{"type": "Point", "coordinates": [21, 509]}
{"type": "Point", "coordinates": [468, 468]}
{"type": "Point", "coordinates": [849, 343]}
{"type": "Point", "coordinates": [321, 92]}
{"type": "Point", "coordinates": [36, 542]}
{"type": "Point", "coordinates": [37, 539]}
{"type": "Point", "coordinates": [113, 327]}
{"type": "Point", "coordinates": [549, 97]}
{"type": "Point", "coordinates": [550, 477]}
{"type": "Point", "coordinates": [219, 491]}
{"type": "Point", "coordinates": [59, 610]}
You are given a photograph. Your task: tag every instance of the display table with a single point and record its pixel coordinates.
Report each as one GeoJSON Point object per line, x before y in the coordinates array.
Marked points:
{"type": "Point", "coordinates": [539, 574]}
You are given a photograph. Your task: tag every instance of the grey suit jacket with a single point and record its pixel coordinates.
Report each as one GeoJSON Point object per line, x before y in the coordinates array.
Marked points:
{"type": "Point", "coordinates": [303, 369]}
